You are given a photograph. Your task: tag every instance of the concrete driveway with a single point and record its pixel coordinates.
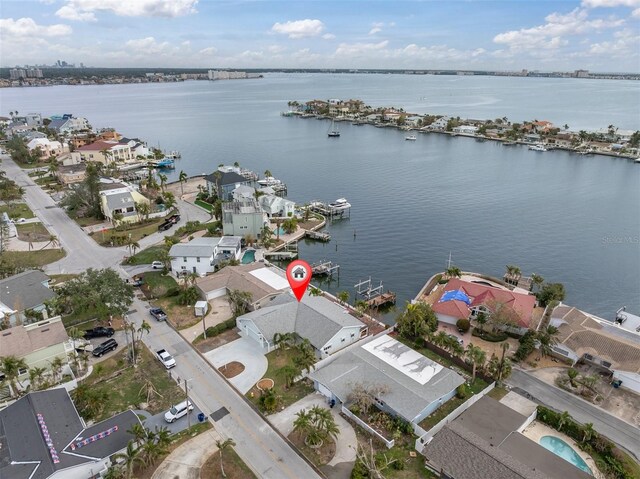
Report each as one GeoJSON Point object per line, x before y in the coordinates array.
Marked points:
{"type": "Point", "coordinates": [244, 351]}
{"type": "Point", "coordinates": [340, 466]}
{"type": "Point", "coordinates": [173, 427]}
{"type": "Point", "coordinates": [187, 459]}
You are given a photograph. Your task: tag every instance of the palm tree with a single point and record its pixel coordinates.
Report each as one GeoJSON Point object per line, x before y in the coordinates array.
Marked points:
{"type": "Point", "coordinates": [317, 424]}
{"type": "Point", "coordinates": [306, 359]}
{"type": "Point", "coordinates": [144, 328]}
{"type": "Point", "coordinates": [289, 372]}
{"type": "Point", "coordinates": [536, 280]}
{"type": "Point", "coordinates": [143, 209]}
{"type": "Point", "coordinates": [139, 433]}
{"type": "Point", "coordinates": [239, 301]}
{"type": "Point", "coordinates": [563, 420]}
{"type": "Point", "coordinates": [131, 456]}
{"type": "Point", "coordinates": [481, 319]}
{"type": "Point", "coordinates": [267, 173]}
{"type": "Point", "coordinates": [440, 339]}
{"type": "Point", "coordinates": [343, 297]}
{"type": "Point", "coordinates": [313, 291]}
{"type": "Point", "coordinates": [36, 375]}
{"type": "Point", "coordinates": [282, 340]}
{"type": "Point", "coordinates": [56, 366]}
{"type": "Point", "coordinates": [222, 445]}
{"type": "Point", "coordinates": [547, 339]}
{"type": "Point", "coordinates": [169, 200]}
{"type": "Point", "coordinates": [163, 180]}
{"type": "Point", "coordinates": [588, 432]}
{"type": "Point", "coordinates": [505, 347]}
{"type": "Point", "coordinates": [182, 178]}
{"type": "Point", "coordinates": [53, 240]}
{"type": "Point", "coordinates": [477, 357]}
{"type": "Point", "coordinates": [573, 374]}
{"type": "Point", "coordinates": [453, 271]}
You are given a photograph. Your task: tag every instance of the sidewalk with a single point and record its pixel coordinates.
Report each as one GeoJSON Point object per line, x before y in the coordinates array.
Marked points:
{"type": "Point", "coordinates": [186, 460]}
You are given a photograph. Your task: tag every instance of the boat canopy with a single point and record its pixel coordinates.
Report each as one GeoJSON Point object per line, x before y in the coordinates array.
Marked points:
{"type": "Point", "coordinates": [455, 294]}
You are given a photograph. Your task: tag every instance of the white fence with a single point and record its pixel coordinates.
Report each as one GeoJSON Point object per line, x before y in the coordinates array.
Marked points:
{"type": "Point", "coordinates": [367, 428]}
{"type": "Point", "coordinates": [426, 438]}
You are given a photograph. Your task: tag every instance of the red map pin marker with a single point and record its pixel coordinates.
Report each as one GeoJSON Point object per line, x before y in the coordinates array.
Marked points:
{"type": "Point", "coordinates": [299, 275]}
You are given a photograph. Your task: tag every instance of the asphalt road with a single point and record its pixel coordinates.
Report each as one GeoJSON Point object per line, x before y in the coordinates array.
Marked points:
{"type": "Point", "coordinates": [619, 431]}
{"type": "Point", "coordinates": [259, 446]}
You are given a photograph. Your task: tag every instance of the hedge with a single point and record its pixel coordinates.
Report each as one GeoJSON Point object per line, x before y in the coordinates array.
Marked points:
{"type": "Point", "coordinates": [489, 336]}
{"type": "Point", "coordinates": [219, 328]}
{"type": "Point", "coordinates": [526, 347]}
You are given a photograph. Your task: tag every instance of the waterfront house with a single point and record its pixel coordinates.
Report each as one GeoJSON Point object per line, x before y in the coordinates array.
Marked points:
{"type": "Point", "coordinates": [415, 386]}
{"type": "Point", "coordinates": [275, 206]}
{"type": "Point", "coordinates": [262, 283]}
{"type": "Point", "coordinates": [121, 199]}
{"type": "Point", "coordinates": [203, 255]}
{"type": "Point", "coordinates": [222, 183]}
{"type": "Point", "coordinates": [460, 299]}
{"type": "Point", "coordinates": [68, 124]}
{"type": "Point", "coordinates": [70, 174]}
{"type": "Point", "coordinates": [465, 130]}
{"type": "Point", "coordinates": [137, 146]}
{"type": "Point", "coordinates": [29, 135]}
{"type": "Point", "coordinates": [243, 218]}
{"type": "Point", "coordinates": [532, 137]}
{"type": "Point", "coordinates": [476, 445]}
{"type": "Point", "coordinates": [46, 147]}
{"type": "Point", "coordinates": [243, 191]}
{"type": "Point", "coordinates": [440, 124]}
{"type": "Point", "coordinates": [22, 296]}
{"type": "Point", "coordinates": [105, 152]}
{"type": "Point", "coordinates": [44, 437]}
{"type": "Point", "coordinates": [37, 343]}
{"type": "Point", "coordinates": [328, 326]}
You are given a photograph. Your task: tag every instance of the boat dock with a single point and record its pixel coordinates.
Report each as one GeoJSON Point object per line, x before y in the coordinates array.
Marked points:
{"type": "Point", "coordinates": [318, 235]}
{"type": "Point", "coordinates": [325, 268]}
{"type": "Point", "coordinates": [290, 251]}
{"type": "Point", "coordinates": [381, 300]}
{"type": "Point", "coordinates": [374, 296]}
{"type": "Point", "coordinates": [329, 211]}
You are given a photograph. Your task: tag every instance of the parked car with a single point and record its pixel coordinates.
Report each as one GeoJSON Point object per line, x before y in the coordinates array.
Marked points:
{"type": "Point", "coordinates": [165, 226]}
{"type": "Point", "coordinates": [460, 340]}
{"type": "Point", "coordinates": [157, 265]}
{"type": "Point", "coordinates": [158, 313]}
{"type": "Point", "coordinates": [177, 411]}
{"type": "Point", "coordinates": [135, 281]}
{"type": "Point", "coordinates": [104, 348]}
{"type": "Point", "coordinates": [165, 358]}
{"type": "Point", "coordinates": [99, 332]}
{"type": "Point", "coordinates": [174, 219]}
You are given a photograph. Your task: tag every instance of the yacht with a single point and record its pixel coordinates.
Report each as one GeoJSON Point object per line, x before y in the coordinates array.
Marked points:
{"type": "Point", "coordinates": [537, 148]}
{"type": "Point", "coordinates": [637, 160]}
{"type": "Point", "coordinates": [411, 138]}
{"type": "Point", "coordinates": [340, 204]}
{"type": "Point", "coordinates": [333, 130]}
{"type": "Point", "coordinates": [269, 181]}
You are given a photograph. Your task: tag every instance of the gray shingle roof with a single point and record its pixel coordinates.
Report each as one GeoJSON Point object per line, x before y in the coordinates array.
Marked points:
{"type": "Point", "coordinates": [315, 318]}
{"type": "Point", "coordinates": [120, 200]}
{"type": "Point", "coordinates": [25, 290]}
{"type": "Point", "coordinates": [226, 178]}
{"type": "Point", "coordinates": [406, 396]}
{"type": "Point", "coordinates": [197, 247]}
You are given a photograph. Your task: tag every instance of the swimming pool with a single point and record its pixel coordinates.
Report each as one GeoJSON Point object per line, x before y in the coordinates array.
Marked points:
{"type": "Point", "coordinates": [249, 256]}
{"type": "Point", "coordinates": [282, 231]}
{"type": "Point", "coordinates": [565, 451]}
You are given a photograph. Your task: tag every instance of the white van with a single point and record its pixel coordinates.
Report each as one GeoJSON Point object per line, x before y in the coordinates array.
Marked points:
{"type": "Point", "coordinates": [177, 411]}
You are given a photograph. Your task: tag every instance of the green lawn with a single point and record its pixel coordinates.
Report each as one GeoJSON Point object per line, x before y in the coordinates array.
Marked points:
{"type": "Point", "coordinates": [17, 210]}
{"type": "Point", "coordinates": [147, 256]}
{"type": "Point", "coordinates": [498, 393]}
{"type": "Point", "coordinates": [297, 391]}
{"type": "Point", "coordinates": [125, 385]}
{"type": "Point", "coordinates": [35, 231]}
{"type": "Point", "coordinates": [234, 467]}
{"type": "Point", "coordinates": [88, 221]}
{"type": "Point", "coordinates": [137, 232]}
{"type": "Point", "coordinates": [448, 407]}
{"type": "Point", "coordinates": [205, 205]}
{"type": "Point", "coordinates": [34, 259]}
{"type": "Point", "coordinates": [157, 285]}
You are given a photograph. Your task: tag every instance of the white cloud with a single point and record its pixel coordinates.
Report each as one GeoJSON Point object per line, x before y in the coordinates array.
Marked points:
{"type": "Point", "coordinates": [550, 35]}
{"type": "Point", "coordinates": [70, 13]}
{"type": "Point", "coordinates": [208, 51]}
{"type": "Point", "coordinates": [299, 28]}
{"type": "Point", "coordinates": [131, 8]}
{"type": "Point", "coordinates": [610, 3]}
{"type": "Point", "coordinates": [636, 13]}
{"type": "Point", "coordinates": [276, 49]}
{"type": "Point", "coordinates": [376, 27]}
{"type": "Point", "coordinates": [353, 49]}
{"type": "Point", "coordinates": [27, 27]}
{"type": "Point", "coordinates": [626, 44]}
{"type": "Point", "coordinates": [328, 36]}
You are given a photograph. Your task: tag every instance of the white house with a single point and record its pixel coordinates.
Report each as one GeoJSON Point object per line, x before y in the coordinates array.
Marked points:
{"type": "Point", "coordinates": [328, 326]}
{"type": "Point", "coordinates": [202, 255]}
{"type": "Point", "coordinates": [44, 437]}
{"type": "Point", "coordinates": [273, 205]}
{"type": "Point", "coordinates": [439, 124]}
{"type": "Point", "coordinates": [243, 218]}
{"type": "Point", "coordinates": [465, 130]}
{"type": "Point", "coordinates": [47, 147]}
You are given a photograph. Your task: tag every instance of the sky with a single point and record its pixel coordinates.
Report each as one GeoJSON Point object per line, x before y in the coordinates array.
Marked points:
{"type": "Point", "coordinates": [597, 35]}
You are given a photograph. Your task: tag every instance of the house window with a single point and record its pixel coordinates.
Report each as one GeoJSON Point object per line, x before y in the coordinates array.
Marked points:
{"type": "Point", "coordinates": [343, 340]}
{"type": "Point", "coordinates": [22, 371]}
{"type": "Point", "coordinates": [184, 259]}
{"type": "Point", "coordinates": [198, 259]}
{"type": "Point", "coordinates": [353, 335]}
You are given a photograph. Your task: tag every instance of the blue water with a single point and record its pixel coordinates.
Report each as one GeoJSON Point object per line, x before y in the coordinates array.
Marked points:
{"type": "Point", "coordinates": [249, 256]}
{"type": "Point", "coordinates": [572, 219]}
{"type": "Point", "coordinates": [565, 451]}
{"type": "Point", "coordinates": [280, 231]}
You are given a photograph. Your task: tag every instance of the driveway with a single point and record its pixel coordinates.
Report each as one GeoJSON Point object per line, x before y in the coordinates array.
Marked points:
{"type": "Point", "coordinates": [244, 351]}
{"type": "Point", "coordinates": [187, 459]}
{"type": "Point", "coordinates": [174, 427]}
{"type": "Point", "coordinates": [340, 466]}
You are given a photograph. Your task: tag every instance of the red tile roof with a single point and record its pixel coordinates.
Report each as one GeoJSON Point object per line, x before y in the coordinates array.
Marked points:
{"type": "Point", "coordinates": [488, 296]}
{"type": "Point", "coordinates": [98, 146]}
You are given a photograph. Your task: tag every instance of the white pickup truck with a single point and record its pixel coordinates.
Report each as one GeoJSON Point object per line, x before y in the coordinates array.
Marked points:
{"type": "Point", "coordinates": [165, 358]}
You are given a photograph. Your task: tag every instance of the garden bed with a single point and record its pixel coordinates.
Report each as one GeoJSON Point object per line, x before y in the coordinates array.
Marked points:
{"type": "Point", "coordinates": [234, 467]}
{"type": "Point", "coordinates": [320, 455]}
{"type": "Point", "coordinates": [232, 369]}
{"type": "Point", "coordinates": [206, 345]}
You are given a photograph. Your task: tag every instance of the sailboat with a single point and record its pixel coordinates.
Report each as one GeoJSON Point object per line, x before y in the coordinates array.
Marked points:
{"type": "Point", "coordinates": [333, 130]}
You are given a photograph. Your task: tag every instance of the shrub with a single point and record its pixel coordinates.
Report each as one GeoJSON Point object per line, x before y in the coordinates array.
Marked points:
{"type": "Point", "coordinates": [220, 328]}
{"type": "Point", "coordinates": [359, 471]}
{"type": "Point", "coordinates": [462, 391]}
{"type": "Point", "coordinates": [443, 281]}
{"type": "Point", "coordinates": [463, 325]}
{"type": "Point", "coordinates": [489, 336]}
{"type": "Point", "coordinates": [526, 347]}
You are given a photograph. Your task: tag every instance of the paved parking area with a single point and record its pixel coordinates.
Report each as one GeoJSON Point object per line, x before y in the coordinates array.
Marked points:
{"type": "Point", "coordinates": [174, 427]}
{"type": "Point", "coordinates": [244, 351]}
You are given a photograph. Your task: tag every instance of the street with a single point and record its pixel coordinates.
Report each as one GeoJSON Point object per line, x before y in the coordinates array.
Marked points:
{"type": "Point", "coordinates": [620, 432]}
{"type": "Point", "coordinates": [257, 443]}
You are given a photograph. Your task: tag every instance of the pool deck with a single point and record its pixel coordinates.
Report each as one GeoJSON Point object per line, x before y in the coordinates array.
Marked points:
{"type": "Point", "coordinates": [536, 430]}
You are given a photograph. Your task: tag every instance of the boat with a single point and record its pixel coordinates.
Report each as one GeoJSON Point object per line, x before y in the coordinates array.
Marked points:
{"type": "Point", "coordinates": [333, 130]}
{"type": "Point", "coordinates": [173, 155]}
{"type": "Point", "coordinates": [269, 181]}
{"type": "Point", "coordinates": [411, 138]}
{"type": "Point", "coordinates": [637, 160]}
{"type": "Point", "coordinates": [509, 143]}
{"type": "Point", "coordinates": [340, 204]}
{"type": "Point", "coordinates": [164, 163]}
{"type": "Point", "coordinates": [537, 148]}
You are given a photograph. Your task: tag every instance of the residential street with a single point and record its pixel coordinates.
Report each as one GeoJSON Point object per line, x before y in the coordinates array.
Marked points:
{"type": "Point", "coordinates": [620, 432]}
{"type": "Point", "coordinates": [259, 446]}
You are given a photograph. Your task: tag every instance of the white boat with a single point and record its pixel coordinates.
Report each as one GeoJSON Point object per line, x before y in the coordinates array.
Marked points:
{"type": "Point", "coordinates": [269, 181]}
{"type": "Point", "coordinates": [637, 160]}
{"type": "Point", "coordinates": [340, 204]}
{"type": "Point", "coordinates": [537, 148]}
{"type": "Point", "coordinates": [411, 138]}
{"type": "Point", "coordinates": [333, 130]}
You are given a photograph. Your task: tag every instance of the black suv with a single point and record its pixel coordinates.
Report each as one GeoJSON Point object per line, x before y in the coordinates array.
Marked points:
{"type": "Point", "coordinates": [108, 345]}
{"type": "Point", "coordinates": [99, 332]}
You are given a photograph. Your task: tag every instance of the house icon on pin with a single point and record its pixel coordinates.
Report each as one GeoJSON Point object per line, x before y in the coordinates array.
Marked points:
{"type": "Point", "coordinates": [299, 273]}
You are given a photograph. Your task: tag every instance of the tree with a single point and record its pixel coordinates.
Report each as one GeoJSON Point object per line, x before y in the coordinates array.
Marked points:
{"type": "Point", "coordinates": [477, 357]}
{"type": "Point", "coordinates": [373, 465]}
{"type": "Point", "coordinates": [130, 457]}
{"type": "Point", "coordinates": [266, 235]}
{"type": "Point", "coordinates": [267, 173]}
{"type": "Point", "coordinates": [222, 445]}
{"type": "Point", "coordinates": [143, 209]}
{"type": "Point", "coordinates": [481, 319]}
{"type": "Point", "coordinates": [36, 377]}
{"type": "Point", "coordinates": [283, 340]}
{"type": "Point", "coordinates": [182, 178]}
{"type": "Point", "coordinates": [306, 358]}
{"type": "Point", "coordinates": [536, 280]}
{"type": "Point", "coordinates": [573, 374]}
{"type": "Point", "coordinates": [463, 325]}
{"type": "Point", "coordinates": [417, 319]}
{"type": "Point", "coordinates": [588, 432]}
{"type": "Point", "coordinates": [139, 433]}
{"type": "Point", "coordinates": [317, 424]}
{"type": "Point", "coordinates": [239, 301]}
{"type": "Point", "coordinates": [551, 292]}
{"type": "Point", "coordinates": [343, 297]}
{"type": "Point", "coordinates": [163, 180]}
{"type": "Point", "coordinates": [169, 200]}
{"type": "Point", "coordinates": [547, 338]}
{"type": "Point", "coordinates": [53, 241]}
{"type": "Point", "coordinates": [563, 420]}
{"type": "Point", "coordinates": [56, 367]}
{"type": "Point", "coordinates": [144, 328]}
{"type": "Point", "coordinates": [365, 395]}
{"type": "Point", "coordinates": [74, 334]}
{"type": "Point", "coordinates": [288, 372]}
{"type": "Point", "coordinates": [89, 400]}
{"type": "Point", "coordinates": [453, 271]}
{"type": "Point", "coordinates": [502, 316]}
{"type": "Point", "coordinates": [505, 347]}
{"type": "Point", "coordinates": [290, 225]}
{"type": "Point", "coordinates": [102, 292]}
{"type": "Point", "coordinates": [314, 291]}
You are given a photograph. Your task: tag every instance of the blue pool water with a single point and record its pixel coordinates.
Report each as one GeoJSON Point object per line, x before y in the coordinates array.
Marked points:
{"type": "Point", "coordinates": [249, 256]}
{"type": "Point", "coordinates": [565, 451]}
{"type": "Point", "coordinates": [282, 231]}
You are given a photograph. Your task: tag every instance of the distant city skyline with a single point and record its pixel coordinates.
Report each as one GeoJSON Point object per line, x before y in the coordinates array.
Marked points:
{"type": "Point", "coordinates": [597, 35]}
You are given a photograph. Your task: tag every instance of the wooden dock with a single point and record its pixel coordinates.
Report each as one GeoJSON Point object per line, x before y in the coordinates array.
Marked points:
{"type": "Point", "coordinates": [326, 210]}
{"type": "Point", "coordinates": [318, 235]}
{"type": "Point", "coordinates": [281, 254]}
{"type": "Point", "coordinates": [374, 296]}
{"type": "Point", "coordinates": [325, 268]}
{"type": "Point", "coordinates": [381, 300]}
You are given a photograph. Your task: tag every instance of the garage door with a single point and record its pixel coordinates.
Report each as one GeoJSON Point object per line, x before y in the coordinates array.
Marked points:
{"type": "Point", "coordinates": [216, 293]}
{"type": "Point", "coordinates": [322, 389]}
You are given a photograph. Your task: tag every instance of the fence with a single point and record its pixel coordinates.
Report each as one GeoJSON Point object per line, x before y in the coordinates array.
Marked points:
{"type": "Point", "coordinates": [367, 428]}
{"type": "Point", "coordinates": [426, 438]}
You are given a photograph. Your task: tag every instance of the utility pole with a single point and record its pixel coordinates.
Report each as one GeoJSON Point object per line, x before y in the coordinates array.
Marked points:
{"type": "Point", "coordinates": [186, 393]}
